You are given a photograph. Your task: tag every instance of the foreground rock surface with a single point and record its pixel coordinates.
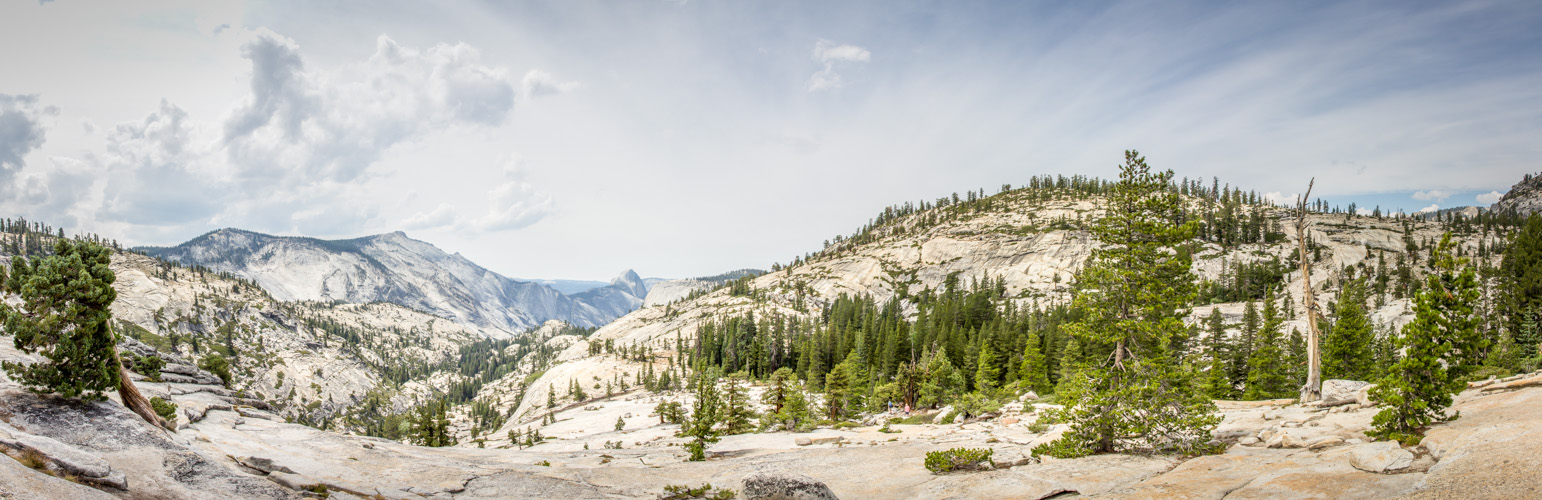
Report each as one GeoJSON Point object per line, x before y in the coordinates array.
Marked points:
{"type": "Point", "coordinates": [239, 453]}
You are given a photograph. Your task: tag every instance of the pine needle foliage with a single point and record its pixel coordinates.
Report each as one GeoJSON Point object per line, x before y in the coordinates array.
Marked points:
{"type": "Point", "coordinates": [65, 315]}
{"type": "Point", "coordinates": [1440, 348]}
{"type": "Point", "coordinates": [1133, 396]}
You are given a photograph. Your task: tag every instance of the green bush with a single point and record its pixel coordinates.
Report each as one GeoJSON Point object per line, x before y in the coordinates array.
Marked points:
{"type": "Point", "coordinates": [149, 366]}
{"type": "Point", "coordinates": [682, 492]}
{"type": "Point", "coordinates": [216, 364]}
{"type": "Point", "coordinates": [957, 459]}
{"type": "Point", "coordinates": [166, 409]}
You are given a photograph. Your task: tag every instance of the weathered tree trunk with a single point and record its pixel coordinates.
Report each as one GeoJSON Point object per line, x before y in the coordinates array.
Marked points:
{"type": "Point", "coordinates": [1312, 391]}
{"type": "Point", "coordinates": [132, 398]}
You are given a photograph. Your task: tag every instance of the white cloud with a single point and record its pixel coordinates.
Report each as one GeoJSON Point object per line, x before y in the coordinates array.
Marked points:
{"type": "Point", "coordinates": [539, 83]}
{"type": "Point", "coordinates": [292, 155]}
{"type": "Point", "coordinates": [827, 51]}
{"type": "Point", "coordinates": [1435, 195]}
{"type": "Point", "coordinates": [829, 54]}
{"type": "Point", "coordinates": [441, 216]}
{"type": "Point", "coordinates": [1490, 197]}
{"type": "Point", "coordinates": [1433, 207]}
{"type": "Point", "coordinates": [515, 203]}
{"type": "Point", "coordinates": [1364, 212]}
{"type": "Point", "coordinates": [305, 127]}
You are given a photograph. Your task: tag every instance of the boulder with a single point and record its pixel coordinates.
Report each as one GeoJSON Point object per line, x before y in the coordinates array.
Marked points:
{"type": "Point", "coordinates": [1009, 421]}
{"type": "Point", "coordinates": [1292, 441]}
{"type": "Point", "coordinates": [265, 465]}
{"type": "Point", "coordinates": [1324, 443]}
{"type": "Point", "coordinates": [1340, 392]}
{"type": "Point", "coordinates": [827, 440]}
{"type": "Point", "coordinates": [803, 441]}
{"type": "Point", "coordinates": [784, 486]}
{"type": "Point", "coordinates": [1380, 456]}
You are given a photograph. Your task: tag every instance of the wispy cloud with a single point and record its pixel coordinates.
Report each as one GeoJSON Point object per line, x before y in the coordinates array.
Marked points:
{"type": "Point", "coordinates": [1431, 195]}
{"type": "Point", "coordinates": [1490, 197]}
{"type": "Point", "coordinates": [829, 54]}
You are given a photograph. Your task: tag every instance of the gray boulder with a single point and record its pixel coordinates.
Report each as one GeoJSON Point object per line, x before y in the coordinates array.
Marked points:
{"type": "Point", "coordinates": [1341, 392]}
{"type": "Point", "coordinates": [784, 486]}
{"type": "Point", "coordinates": [1380, 456]}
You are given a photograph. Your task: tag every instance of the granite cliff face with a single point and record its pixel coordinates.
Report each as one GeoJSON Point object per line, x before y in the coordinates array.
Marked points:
{"type": "Point", "coordinates": [400, 270]}
{"type": "Point", "coordinates": [1525, 197]}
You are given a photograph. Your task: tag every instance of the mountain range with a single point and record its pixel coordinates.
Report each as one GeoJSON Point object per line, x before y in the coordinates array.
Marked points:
{"type": "Point", "coordinates": [400, 270]}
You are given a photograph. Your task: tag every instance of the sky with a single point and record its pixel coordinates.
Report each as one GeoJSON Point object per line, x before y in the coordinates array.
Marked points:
{"type": "Point", "coordinates": [682, 138]}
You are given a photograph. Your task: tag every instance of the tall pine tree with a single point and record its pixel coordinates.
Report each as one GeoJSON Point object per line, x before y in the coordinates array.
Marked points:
{"type": "Point", "coordinates": [1132, 395]}
{"type": "Point", "coordinates": [1439, 348]}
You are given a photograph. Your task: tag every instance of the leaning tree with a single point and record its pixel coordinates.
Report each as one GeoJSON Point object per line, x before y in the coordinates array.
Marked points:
{"type": "Point", "coordinates": [65, 315]}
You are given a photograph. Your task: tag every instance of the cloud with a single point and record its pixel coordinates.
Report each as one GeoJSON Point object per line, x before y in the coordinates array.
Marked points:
{"type": "Point", "coordinates": [1490, 197]}
{"type": "Point", "coordinates": [441, 216]}
{"type": "Point", "coordinates": [300, 127]}
{"type": "Point", "coordinates": [515, 203]}
{"type": "Point", "coordinates": [1364, 212]}
{"type": "Point", "coordinates": [295, 154]}
{"type": "Point", "coordinates": [1433, 207]}
{"type": "Point", "coordinates": [539, 83]}
{"type": "Point", "coordinates": [827, 51]}
{"type": "Point", "coordinates": [156, 171]}
{"type": "Point", "coordinates": [1431, 195]}
{"type": "Point", "coordinates": [21, 130]}
{"type": "Point", "coordinates": [829, 54]}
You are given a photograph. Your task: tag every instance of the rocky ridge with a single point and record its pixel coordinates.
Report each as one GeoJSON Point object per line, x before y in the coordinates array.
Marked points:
{"type": "Point", "coordinates": [1525, 197]}
{"type": "Point", "coordinates": [1035, 245]}
{"type": "Point", "coordinates": [397, 269]}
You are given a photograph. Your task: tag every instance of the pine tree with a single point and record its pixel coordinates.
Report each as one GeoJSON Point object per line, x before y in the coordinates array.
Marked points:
{"type": "Point", "coordinates": [837, 390]}
{"type": "Point", "coordinates": [66, 316]}
{"type": "Point", "coordinates": [1133, 396]}
{"type": "Point", "coordinates": [1034, 374]}
{"type": "Point", "coordinates": [1217, 382]}
{"type": "Point", "coordinates": [738, 417]}
{"type": "Point", "coordinates": [1521, 295]}
{"type": "Point", "coordinates": [1295, 356]}
{"type": "Point", "coordinates": [1346, 348]}
{"type": "Point", "coordinates": [706, 412]}
{"type": "Point", "coordinates": [1242, 349]}
{"type": "Point", "coordinates": [943, 382]}
{"type": "Point", "coordinates": [988, 374]}
{"type": "Point", "coordinates": [431, 426]}
{"type": "Point", "coordinates": [1439, 347]}
{"type": "Point", "coordinates": [776, 394]}
{"type": "Point", "coordinates": [1267, 372]}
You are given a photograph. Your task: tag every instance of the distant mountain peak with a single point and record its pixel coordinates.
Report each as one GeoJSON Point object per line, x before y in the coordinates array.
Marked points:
{"type": "Point", "coordinates": [630, 282]}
